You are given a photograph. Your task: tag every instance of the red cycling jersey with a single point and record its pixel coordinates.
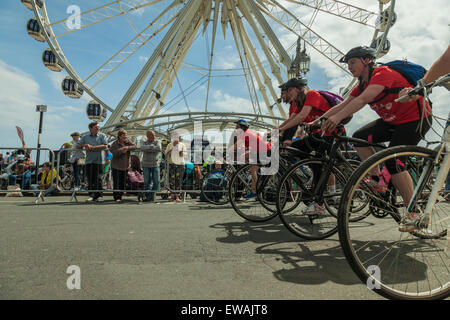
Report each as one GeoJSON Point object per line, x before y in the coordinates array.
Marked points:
{"type": "Point", "coordinates": [319, 106]}
{"type": "Point", "coordinates": [389, 110]}
{"type": "Point", "coordinates": [253, 141]}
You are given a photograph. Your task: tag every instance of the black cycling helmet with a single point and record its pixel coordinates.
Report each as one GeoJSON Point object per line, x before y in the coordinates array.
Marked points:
{"type": "Point", "coordinates": [283, 87]}
{"type": "Point", "coordinates": [243, 123]}
{"type": "Point", "coordinates": [295, 82]}
{"type": "Point", "coordinates": [359, 52]}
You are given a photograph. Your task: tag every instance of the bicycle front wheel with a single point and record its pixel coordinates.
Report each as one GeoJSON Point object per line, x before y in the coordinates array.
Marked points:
{"type": "Point", "coordinates": [249, 208]}
{"type": "Point", "coordinates": [296, 185]}
{"type": "Point", "coordinates": [396, 264]}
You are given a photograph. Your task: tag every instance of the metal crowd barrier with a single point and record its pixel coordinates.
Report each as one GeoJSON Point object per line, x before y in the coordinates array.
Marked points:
{"type": "Point", "coordinates": [164, 184]}
{"type": "Point", "coordinates": [7, 174]}
{"type": "Point", "coordinates": [164, 181]}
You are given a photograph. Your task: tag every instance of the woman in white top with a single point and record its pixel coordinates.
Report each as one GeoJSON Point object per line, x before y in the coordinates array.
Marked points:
{"type": "Point", "coordinates": [175, 152]}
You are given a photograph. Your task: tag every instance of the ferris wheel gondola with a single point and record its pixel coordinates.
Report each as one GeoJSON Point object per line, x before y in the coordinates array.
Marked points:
{"type": "Point", "coordinates": [34, 30]}
{"type": "Point", "coordinates": [95, 111]}
{"type": "Point", "coordinates": [51, 61]}
{"type": "Point", "coordinates": [71, 88]}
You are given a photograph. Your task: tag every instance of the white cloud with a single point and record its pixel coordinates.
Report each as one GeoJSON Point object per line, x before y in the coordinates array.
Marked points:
{"type": "Point", "coordinates": [19, 95]}
{"type": "Point", "coordinates": [228, 103]}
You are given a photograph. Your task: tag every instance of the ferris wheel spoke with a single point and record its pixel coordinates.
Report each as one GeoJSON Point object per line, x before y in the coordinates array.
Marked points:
{"type": "Point", "coordinates": [167, 16]}
{"type": "Point", "coordinates": [213, 41]}
{"type": "Point", "coordinates": [285, 18]}
{"type": "Point", "coordinates": [265, 82]}
{"type": "Point", "coordinates": [171, 61]}
{"type": "Point", "coordinates": [174, 34]}
{"type": "Point", "coordinates": [232, 14]}
{"type": "Point", "coordinates": [284, 57]}
{"type": "Point", "coordinates": [102, 13]}
{"type": "Point", "coordinates": [165, 85]}
{"type": "Point", "coordinates": [340, 9]}
{"type": "Point", "coordinates": [275, 69]}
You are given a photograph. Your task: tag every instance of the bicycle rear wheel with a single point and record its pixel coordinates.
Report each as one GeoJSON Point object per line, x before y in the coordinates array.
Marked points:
{"type": "Point", "coordinates": [396, 264]}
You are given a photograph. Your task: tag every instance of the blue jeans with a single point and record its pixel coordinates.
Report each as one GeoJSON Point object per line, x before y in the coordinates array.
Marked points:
{"type": "Point", "coordinates": [151, 175]}
{"type": "Point", "coordinates": [76, 174]}
{"type": "Point", "coordinates": [25, 180]}
{"type": "Point", "coordinates": [51, 191]}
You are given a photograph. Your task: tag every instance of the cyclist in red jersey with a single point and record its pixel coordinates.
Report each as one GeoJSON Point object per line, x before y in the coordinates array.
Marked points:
{"type": "Point", "coordinates": [253, 146]}
{"type": "Point", "coordinates": [399, 123]}
{"type": "Point", "coordinates": [312, 105]}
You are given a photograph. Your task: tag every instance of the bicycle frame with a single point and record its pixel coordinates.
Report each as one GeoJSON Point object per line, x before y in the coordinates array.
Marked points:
{"type": "Point", "coordinates": [443, 148]}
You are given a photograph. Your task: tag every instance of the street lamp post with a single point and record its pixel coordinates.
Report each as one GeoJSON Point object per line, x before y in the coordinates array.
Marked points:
{"type": "Point", "coordinates": [41, 109]}
{"type": "Point", "coordinates": [300, 64]}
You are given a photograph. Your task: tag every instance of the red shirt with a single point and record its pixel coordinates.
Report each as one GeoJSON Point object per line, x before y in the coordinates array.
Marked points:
{"type": "Point", "coordinates": [319, 106]}
{"type": "Point", "coordinates": [253, 142]}
{"type": "Point", "coordinates": [389, 110]}
{"type": "Point", "coordinates": [293, 108]}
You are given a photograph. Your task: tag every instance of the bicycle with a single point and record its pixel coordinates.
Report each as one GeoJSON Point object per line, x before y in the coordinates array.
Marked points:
{"type": "Point", "coordinates": [299, 181]}
{"type": "Point", "coordinates": [214, 187]}
{"type": "Point", "coordinates": [262, 207]}
{"type": "Point", "coordinates": [396, 264]}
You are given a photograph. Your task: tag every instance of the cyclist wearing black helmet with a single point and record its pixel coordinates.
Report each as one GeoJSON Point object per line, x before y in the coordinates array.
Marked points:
{"type": "Point", "coordinates": [311, 105]}
{"type": "Point", "coordinates": [398, 123]}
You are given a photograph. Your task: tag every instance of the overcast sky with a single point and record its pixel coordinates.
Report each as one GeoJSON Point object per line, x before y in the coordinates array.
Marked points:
{"type": "Point", "coordinates": [420, 35]}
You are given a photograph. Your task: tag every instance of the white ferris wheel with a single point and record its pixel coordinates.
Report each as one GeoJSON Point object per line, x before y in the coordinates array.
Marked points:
{"type": "Point", "coordinates": [266, 37]}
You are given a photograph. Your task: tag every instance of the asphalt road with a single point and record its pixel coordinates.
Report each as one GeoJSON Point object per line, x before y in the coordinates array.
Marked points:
{"type": "Point", "coordinates": [162, 251]}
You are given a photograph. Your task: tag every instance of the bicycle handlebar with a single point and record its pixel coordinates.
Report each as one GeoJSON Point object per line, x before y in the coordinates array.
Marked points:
{"type": "Point", "coordinates": [422, 88]}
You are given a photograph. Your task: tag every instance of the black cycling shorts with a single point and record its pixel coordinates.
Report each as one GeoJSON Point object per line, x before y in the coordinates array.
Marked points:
{"type": "Point", "coordinates": [401, 134]}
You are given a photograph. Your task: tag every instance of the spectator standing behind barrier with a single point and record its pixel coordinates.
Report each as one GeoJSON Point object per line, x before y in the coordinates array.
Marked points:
{"type": "Point", "coordinates": [47, 183]}
{"type": "Point", "coordinates": [75, 158]}
{"type": "Point", "coordinates": [94, 143]}
{"type": "Point", "coordinates": [120, 162]}
{"type": "Point", "coordinates": [151, 150]}
{"type": "Point", "coordinates": [175, 152]}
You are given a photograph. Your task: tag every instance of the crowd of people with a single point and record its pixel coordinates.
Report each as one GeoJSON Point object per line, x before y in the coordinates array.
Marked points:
{"type": "Point", "coordinates": [378, 86]}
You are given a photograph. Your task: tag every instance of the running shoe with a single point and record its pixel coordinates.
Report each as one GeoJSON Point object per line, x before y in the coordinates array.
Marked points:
{"type": "Point", "coordinates": [374, 185]}
{"type": "Point", "coordinates": [410, 222]}
{"type": "Point", "coordinates": [314, 209]}
{"type": "Point", "coordinates": [250, 195]}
